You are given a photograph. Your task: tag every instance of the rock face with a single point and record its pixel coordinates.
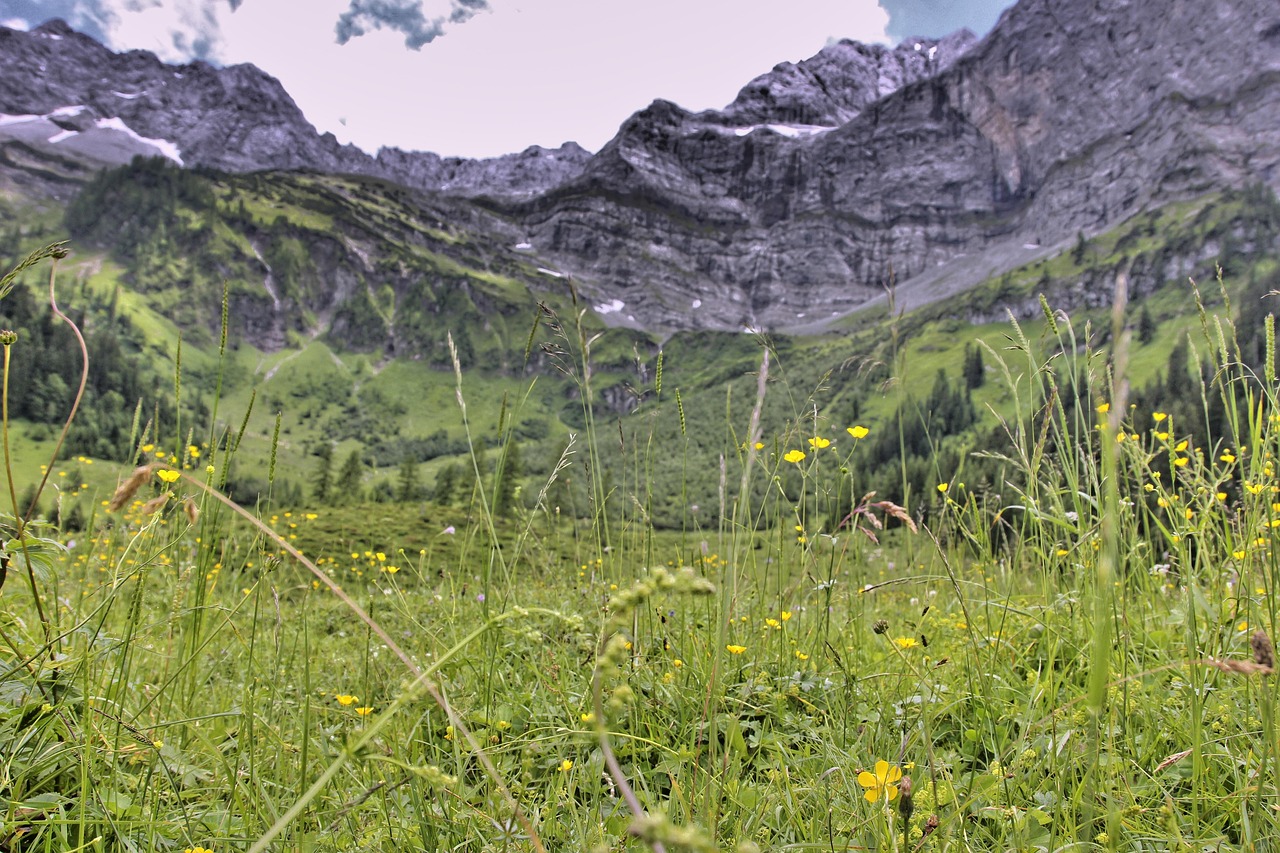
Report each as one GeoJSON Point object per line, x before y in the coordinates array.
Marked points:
{"type": "Point", "coordinates": [1067, 117]}
{"type": "Point", "coordinates": [236, 119]}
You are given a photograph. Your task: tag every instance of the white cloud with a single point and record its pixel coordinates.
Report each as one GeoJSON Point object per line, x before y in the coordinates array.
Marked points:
{"type": "Point", "coordinates": [15, 24]}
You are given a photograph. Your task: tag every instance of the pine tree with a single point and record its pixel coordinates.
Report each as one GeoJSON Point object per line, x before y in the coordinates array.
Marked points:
{"type": "Point", "coordinates": [1146, 326]}
{"type": "Point", "coordinates": [975, 371]}
{"type": "Point", "coordinates": [408, 484]}
{"type": "Point", "coordinates": [320, 485]}
{"type": "Point", "coordinates": [349, 488]}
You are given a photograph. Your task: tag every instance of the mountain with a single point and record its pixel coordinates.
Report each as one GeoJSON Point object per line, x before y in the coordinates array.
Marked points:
{"type": "Point", "coordinates": [67, 98]}
{"type": "Point", "coordinates": [1067, 118]}
{"type": "Point", "coordinates": [931, 166]}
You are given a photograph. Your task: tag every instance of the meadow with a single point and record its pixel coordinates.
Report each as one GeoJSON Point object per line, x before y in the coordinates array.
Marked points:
{"type": "Point", "coordinates": [1077, 656]}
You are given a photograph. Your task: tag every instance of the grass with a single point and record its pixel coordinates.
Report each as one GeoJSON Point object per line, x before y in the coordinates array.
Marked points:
{"type": "Point", "coordinates": [1082, 660]}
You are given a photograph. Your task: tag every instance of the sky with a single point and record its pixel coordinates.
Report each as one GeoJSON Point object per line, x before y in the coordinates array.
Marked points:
{"type": "Point", "coordinates": [479, 78]}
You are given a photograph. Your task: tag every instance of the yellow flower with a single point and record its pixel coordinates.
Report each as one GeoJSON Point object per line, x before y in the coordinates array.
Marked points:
{"type": "Point", "coordinates": [735, 650]}
{"type": "Point", "coordinates": [1182, 445]}
{"type": "Point", "coordinates": [858, 431]}
{"type": "Point", "coordinates": [786, 614]}
{"type": "Point", "coordinates": [1181, 461]}
{"type": "Point", "coordinates": [801, 655]}
{"type": "Point", "coordinates": [759, 445]}
{"type": "Point", "coordinates": [794, 456]}
{"type": "Point", "coordinates": [773, 623]}
{"type": "Point", "coordinates": [365, 711]}
{"type": "Point", "coordinates": [1103, 408]}
{"type": "Point", "coordinates": [168, 475]}
{"type": "Point", "coordinates": [345, 699]}
{"type": "Point", "coordinates": [882, 783]}
{"type": "Point", "coordinates": [566, 766]}
{"type": "Point", "coordinates": [587, 718]}
{"type": "Point", "coordinates": [1159, 416]}
{"type": "Point", "coordinates": [906, 642]}
{"type": "Point", "coordinates": [942, 487]}
{"type": "Point", "coordinates": [818, 442]}
{"type": "Point", "coordinates": [1227, 457]}
{"type": "Point", "coordinates": [677, 663]}
{"type": "Point", "coordinates": [193, 451]}
{"type": "Point", "coordinates": [1239, 555]}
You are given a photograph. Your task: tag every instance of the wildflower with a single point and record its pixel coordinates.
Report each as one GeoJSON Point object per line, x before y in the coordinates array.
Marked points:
{"type": "Point", "coordinates": [858, 431]}
{"type": "Point", "coordinates": [677, 663]}
{"type": "Point", "coordinates": [942, 488]}
{"type": "Point", "coordinates": [759, 445]}
{"type": "Point", "coordinates": [818, 442]}
{"type": "Point", "coordinates": [735, 650]}
{"type": "Point", "coordinates": [773, 623]}
{"type": "Point", "coordinates": [566, 766]}
{"type": "Point", "coordinates": [880, 626]}
{"type": "Point", "coordinates": [881, 783]}
{"type": "Point", "coordinates": [905, 805]}
{"type": "Point", "coordinates": [1227, 457]}
{"type": "Point", "coordinates": [905, 642]}
{"type": "Point", "coordinates": [365, 711]}
{"type": "Point", "coordinates": [1103, 408]}
{"type": "Point", "coordinates": [168, 475]}
{"type": "Point", "coordinates": [1181, 461]}
{"type": "Point", "coordinates": [193, 451]}
{"type": "Point", "coordinates": [785, 615]}
{"type": "Point", "coordinates": [794, 456]}
{"type": "Point", "coordinates": [1159, 416]}
{"type": "Point", "coordinates": [345, 699]}
{"type": "Point", "coordinates": [198, 849]}
{"type": "Point", "coordinates": [801, 655]}
{"type": "Point", "coordinates": [588, 718]}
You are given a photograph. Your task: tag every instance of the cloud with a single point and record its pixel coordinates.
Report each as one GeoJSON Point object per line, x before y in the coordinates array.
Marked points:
{"type": "Point", "coordinates": [87, 17]}
{"type": "Point", "coordinates": [937, 18]}
{"type": "Point", "coordinates": [175, 30]}
{"type": "Point", "coordinates": [404, 16]}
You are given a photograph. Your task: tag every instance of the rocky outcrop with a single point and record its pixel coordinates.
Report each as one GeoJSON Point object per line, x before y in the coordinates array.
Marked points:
{"type": "Point", "coordinates": [838, 83]}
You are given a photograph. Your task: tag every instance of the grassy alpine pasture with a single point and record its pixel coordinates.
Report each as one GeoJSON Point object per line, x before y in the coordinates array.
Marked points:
{"type": "Point", "coordinates": [1076, 657]}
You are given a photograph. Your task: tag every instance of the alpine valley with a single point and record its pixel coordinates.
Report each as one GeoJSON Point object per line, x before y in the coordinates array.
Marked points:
{"type": "Point", "coordinates": [930, 189]}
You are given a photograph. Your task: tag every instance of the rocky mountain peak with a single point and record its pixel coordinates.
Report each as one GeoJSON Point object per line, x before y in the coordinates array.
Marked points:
{"type": "Point", "coordinates": [835, 85]}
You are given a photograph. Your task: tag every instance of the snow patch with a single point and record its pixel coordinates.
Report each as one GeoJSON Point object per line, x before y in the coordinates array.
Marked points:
{"type": "Point", "coordinates": [66, 134]}
{"type": "Point", "coordinates": [919, 46]}
{"type": "Point", "coordinates": [791, 131]}
{"type": "Point", "coordinates": [613, 306]}
{"type": "Point", "coordinates": [15, 24]}
{"type": "Point", "coordinates": [67, 112]}
{"type": "Point", "coordinates": [1031, 245]}
{"type": "Point", "coordinates": [933, 51]}
{"type": "Point", "coordinates": [697, 303]}
{"type": "Point", "coordinates": [8, 119]}
{"type": "Point", "coordinates": [126, 95]}
{"type": "Point", "coordinates": [523, 247]}
{"type": "Point", "coordinates": [164, 146]}
{"type": "Point", "coordinates": [552, 273]}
